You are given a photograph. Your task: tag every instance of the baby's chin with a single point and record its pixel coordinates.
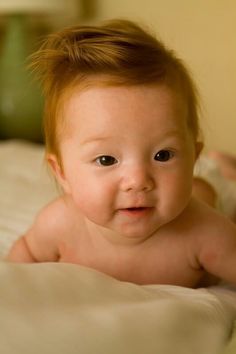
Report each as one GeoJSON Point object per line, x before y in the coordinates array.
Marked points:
{"type": "Point", "coordinates": [133, 234]}
{"type": "Point", "coordinates": [134, 225]}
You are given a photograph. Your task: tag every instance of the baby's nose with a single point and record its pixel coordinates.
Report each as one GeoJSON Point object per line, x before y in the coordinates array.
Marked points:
{"type": "Point", "coordinates": [137, 179]}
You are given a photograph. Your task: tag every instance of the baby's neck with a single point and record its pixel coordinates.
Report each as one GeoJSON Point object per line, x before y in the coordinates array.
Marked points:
{"type": "Point", "coordinates": [113, 238]}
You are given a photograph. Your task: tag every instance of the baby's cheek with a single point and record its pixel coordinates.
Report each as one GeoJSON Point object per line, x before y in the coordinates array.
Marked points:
{"type": "Point", "coordinates": [91, 202]}
{"type": "Point", "coordinates": [176, 191]}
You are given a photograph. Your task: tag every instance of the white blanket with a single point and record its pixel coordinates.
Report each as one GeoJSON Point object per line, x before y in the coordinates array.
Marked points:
{"type": "Point", "coordinates": [67, 309]}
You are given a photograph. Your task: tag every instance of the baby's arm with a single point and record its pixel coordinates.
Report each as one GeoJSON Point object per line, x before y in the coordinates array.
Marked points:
{"type": "Point", "coordinates": [40, 243]}
{"type": "Point", "coordinates": [218, 251]}
{"type": "Point", "coordinates": [20, 252]}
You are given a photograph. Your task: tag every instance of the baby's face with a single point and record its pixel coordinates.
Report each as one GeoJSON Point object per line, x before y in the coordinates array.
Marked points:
{"type": "Point", "coordinates": [128, 156]}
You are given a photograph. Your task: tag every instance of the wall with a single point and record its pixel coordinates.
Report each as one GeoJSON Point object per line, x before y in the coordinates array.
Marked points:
{"type": "Point", "coordinates": [203, 33]}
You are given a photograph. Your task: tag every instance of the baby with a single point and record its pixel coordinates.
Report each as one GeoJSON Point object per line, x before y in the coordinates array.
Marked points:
{"type": "Point", "coordinates": [122, 138]}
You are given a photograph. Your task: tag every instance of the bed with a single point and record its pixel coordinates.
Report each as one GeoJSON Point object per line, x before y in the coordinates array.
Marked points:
{"type": "Point", "coordinates": [68, 309]}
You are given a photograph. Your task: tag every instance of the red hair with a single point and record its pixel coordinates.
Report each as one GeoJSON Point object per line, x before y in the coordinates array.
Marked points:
{"type": "Point", "coordinates": [121, 53]}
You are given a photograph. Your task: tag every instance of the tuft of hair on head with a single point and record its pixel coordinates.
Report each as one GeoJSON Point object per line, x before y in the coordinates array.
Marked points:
{"type": "Point", "coordinates": [117, 52]}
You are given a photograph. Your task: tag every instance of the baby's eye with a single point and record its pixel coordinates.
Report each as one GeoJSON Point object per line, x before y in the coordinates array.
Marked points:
{"type": "Point", "coordinates": [163, 155]}
{"type": "Point", "coordinates": [106, 160]}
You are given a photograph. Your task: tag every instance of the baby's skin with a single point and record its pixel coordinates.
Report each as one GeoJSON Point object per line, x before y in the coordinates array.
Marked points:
{"type": "Point", "coordinates": [172, 255]}
{"type": "Point", "coordinates": [126, 169]}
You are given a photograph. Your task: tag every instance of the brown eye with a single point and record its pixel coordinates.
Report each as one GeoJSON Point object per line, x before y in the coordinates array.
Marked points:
{"type": "Point", "coordinates": [106, 160]}
{"type": "Point", "coordinates": [163, 155]}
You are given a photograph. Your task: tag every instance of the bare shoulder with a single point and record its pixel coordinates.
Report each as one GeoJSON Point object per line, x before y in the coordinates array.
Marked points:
{"type": "Point", "coordinates": [211, 220]}
{"type": "Point", "coordinates": [50, 217]}
{"type": "Point", "coordinates": [214, 234]}
{"type": "Point", "coordinates": [207, 223]}
{"type": "Point", "coordinates": [54, 216]}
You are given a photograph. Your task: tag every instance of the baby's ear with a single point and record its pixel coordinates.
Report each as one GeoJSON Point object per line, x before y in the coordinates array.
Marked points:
{"type": "Point", "coordinates": [198, 149]}
{"type": "Point", "coordinates": [58, 172]}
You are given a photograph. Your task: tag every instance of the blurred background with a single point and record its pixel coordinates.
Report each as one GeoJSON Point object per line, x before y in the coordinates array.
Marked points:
{"type": "Point", "coordinates": [202, 33]}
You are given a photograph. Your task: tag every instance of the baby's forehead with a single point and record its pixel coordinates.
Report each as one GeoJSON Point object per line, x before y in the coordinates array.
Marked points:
{"type": "Point", "coordinates": [90, 92]}
{"type": "Point", "coordinates": [107, 108]}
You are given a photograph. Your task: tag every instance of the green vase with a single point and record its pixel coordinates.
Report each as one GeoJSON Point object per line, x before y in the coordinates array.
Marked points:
{"type": "Point", "coordinates": [21, 103]}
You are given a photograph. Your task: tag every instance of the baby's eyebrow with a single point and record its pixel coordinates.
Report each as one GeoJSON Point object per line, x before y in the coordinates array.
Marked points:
{"type": "Point", "coordinates": [94, 139]}
{"type": "Point", "coordinates": [175, 134]}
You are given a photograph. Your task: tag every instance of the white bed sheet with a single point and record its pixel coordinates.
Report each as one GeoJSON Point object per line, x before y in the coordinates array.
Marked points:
{"type": "Point", "coordinates": [66, 309]}
{"type": "Point", "coordinates": [25, 186]}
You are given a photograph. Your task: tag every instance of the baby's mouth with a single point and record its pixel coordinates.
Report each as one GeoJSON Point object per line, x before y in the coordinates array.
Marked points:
{"type": "Point", "coordinates": [136, 211]}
